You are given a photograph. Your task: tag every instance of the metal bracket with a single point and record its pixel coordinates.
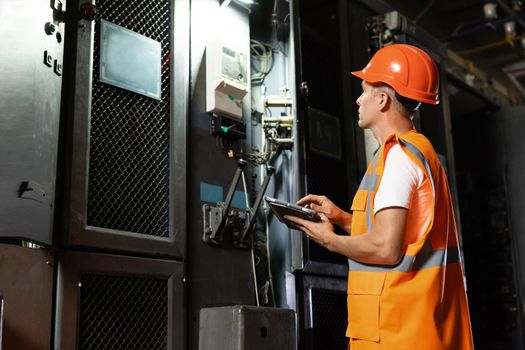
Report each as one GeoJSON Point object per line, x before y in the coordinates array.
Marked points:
{"type": "Point", "coordinates": [240, 225]}
{"type": "Point", "coordinates": [236, 223]}
{"type": "Point", "coordinates": [219, 219]}
{"type": "Point", "coordinates": [211, 219]}
{"type": "Point", "coordinates": [215, 217]}
{"type": "Point", "coordinates": [270, 170]}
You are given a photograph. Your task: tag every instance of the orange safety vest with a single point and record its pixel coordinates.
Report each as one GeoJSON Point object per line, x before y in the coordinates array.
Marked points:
{"type": "Point", "coordinates": [419, 304]}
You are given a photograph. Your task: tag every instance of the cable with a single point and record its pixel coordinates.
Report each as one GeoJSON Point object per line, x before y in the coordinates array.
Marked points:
{"type": "Point", "coordinates": [423, 11]}
{"type": "Point", "coordinates": [263, 53]}
{"type": "Point", "coordinates": [251, 243]}
{"type": "Point", "coordinates": [245, 190]}
{"type": "Point", "coordinates": [254, 274]}
{"type": "Point", "coordinates": [490, 46]}
{"type": "Point", "coordinates": [270, 277]}
{"type": "Point", "coordinates": [483, 48]}
{"type": "Point", "coordinates": [255, 158]}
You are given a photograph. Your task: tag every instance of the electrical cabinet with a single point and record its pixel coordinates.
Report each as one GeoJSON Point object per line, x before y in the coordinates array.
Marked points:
{"type": "Point", "coordinates": [119, 302]}
{"type": "Point", "coordinates": [126, 188]}
{"type": "Point", "coordinates": [323, 313]}
{"type": "Point", "coordinates": [30, 94]}
{"type": "Point", "coordinates": [492, 200]}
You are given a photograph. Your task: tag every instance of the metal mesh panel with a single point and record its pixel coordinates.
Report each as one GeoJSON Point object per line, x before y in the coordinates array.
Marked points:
{"type": "Point", "coordinates": [129, 140]}
{"type": "Point", "coordinates": [329, 320]}
{"type": "Point", "coordinates": [123, 313]}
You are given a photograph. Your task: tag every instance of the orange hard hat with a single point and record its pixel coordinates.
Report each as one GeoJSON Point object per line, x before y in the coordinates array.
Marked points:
{"type": "Point", "coordinates": [407, 69]}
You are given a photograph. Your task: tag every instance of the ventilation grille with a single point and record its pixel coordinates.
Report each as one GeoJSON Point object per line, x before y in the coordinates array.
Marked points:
{"type": "Point", "coordinates": [123, 313]}
{"type": "Point", "coordinates": [129, 137]}
{"type": "Point", "coordinates": [329, 320]}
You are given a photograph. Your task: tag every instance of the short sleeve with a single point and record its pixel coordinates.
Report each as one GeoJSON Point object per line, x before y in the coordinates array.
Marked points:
{"type": "Point", "coordinates": [401, 177]}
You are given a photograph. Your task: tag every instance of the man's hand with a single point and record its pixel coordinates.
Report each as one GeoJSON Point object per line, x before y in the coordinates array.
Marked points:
{"type": "Point", "coordinates": [333, 213]}
{"type": "Point", "coordinates": [322, 231]}
{"type": "Point", "coordinates": [383, 245]}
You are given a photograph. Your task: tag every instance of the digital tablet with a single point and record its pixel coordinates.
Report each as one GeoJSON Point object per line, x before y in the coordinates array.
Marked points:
{"type": "Point", "coordinates": [281, 208]}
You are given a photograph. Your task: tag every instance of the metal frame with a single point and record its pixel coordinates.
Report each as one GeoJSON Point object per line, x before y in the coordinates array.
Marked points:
{"type": "Point", "coordinates": [73, 264]}
{"type": "Point", "coordinates": [301, 255]}
{"type": "Point", "coordinates": [355, 160]}
{"type": "Point", "coordinates": [310, 282]}
{"type": "Point", "coordinates": [305, 285]}
{"type": "Point", "coordinates": [76, 232]}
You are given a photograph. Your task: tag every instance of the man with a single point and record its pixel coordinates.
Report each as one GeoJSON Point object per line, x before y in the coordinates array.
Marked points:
{"type": "Point", "coordinates": [405, 281]}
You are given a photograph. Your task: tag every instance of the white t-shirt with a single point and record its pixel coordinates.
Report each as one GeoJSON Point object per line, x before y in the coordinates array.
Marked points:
{"type": "Point", "coordinates": [404, 185]}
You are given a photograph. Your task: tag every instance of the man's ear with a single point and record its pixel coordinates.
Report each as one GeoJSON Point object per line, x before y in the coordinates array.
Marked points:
{"type": "Point", "coordinates": [384, 100]}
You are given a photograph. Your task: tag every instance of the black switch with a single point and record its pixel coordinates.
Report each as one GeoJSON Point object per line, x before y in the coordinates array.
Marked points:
{"type": "Point", "coordinates": [58, 68]}
{"type": "Point", "coordinates": [48, 59]}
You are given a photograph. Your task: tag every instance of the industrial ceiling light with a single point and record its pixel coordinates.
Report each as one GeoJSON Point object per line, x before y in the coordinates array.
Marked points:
{"type": "Point", "coordinates": [470, 79]}
{"type": "Point", "coordinates": [517, 5]}
{"type": "Point", "coordinates": [510, 28]}
{"type": "Point", "coordinates": [489, 9]}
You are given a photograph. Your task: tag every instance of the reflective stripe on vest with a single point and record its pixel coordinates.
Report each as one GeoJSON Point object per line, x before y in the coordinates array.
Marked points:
{"type": "Point", "coordinates": [427, 257]}
{"type": "Point", "coordinates": [416, 152]}
{"type": "Point", "coordinates": [369, 184]}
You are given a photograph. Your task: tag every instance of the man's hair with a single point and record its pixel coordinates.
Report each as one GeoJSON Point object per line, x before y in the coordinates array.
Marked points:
{"type": "Point", "coordinates": [404, 105]}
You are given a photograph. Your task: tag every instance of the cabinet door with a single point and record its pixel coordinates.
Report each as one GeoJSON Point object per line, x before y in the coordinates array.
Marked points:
{"type": "Point", "coordinates": [26, 287]}
{"type": "Point", "coordinates": [127, 145]}
{"type": "Point", "coordinates": [30, 93]}
{"type": "Point", "coordinates": [119, 302]}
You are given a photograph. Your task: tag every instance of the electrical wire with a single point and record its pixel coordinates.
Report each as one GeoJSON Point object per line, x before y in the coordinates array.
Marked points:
{"type": "Point", "coordinates": [255, 158]}
{"type": "Point", "coordinates": [252, 253]}
{"type": "Point", "coordinates": [483, 47]}
{"type": "Point", "coordinates": [270, 277]}
{"type": "Point", "coordinates": [490, 45]}
{"type": "Point", "coordinates": [263, 53]}
{"type": "Point", "coordinates": [254, 274]}
{"type": "Point", "coordinates": [245, 191]}
{"type": "Point", "coordinates": [264, 144]}
{"type": "Point", "coordinates": [424, 11]}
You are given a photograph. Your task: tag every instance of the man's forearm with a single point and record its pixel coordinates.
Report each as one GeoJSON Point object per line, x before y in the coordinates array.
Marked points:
{"type": "Point", "coordinates": [369, 248]}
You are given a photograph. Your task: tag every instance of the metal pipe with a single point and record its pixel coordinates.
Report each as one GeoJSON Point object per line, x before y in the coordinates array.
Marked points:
{"type": "Point", "coordinates": [484, 26]}
{"type": "Point", "coordinates": [287, 119]}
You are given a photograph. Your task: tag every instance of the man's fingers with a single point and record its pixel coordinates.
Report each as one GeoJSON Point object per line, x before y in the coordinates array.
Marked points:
{"type": "Point", "coordinates": [316, 207]}
{"type": "Point", "coordinates": [305, 200]}
{"type": "Point", "coordinates": [311, 198]}
{"type": "Point", "coordinates": [295, 219]}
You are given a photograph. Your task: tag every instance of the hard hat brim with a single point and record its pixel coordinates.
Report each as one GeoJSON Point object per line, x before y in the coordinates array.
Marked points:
{"type": "Point", "coordinates": [417, 97]}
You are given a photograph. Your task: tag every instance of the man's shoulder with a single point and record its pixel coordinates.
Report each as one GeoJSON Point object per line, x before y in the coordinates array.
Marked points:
{"type": "Point", "coordinates": [421, 142]}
